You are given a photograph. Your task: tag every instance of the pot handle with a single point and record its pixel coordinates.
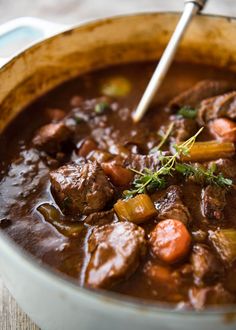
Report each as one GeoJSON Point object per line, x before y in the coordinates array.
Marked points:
{"type": "Point", "coordinates": [21, 33]}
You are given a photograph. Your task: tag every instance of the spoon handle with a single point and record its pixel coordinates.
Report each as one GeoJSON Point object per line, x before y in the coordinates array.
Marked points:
{"type": "Point", "coordinates": [191, 8]}
{"type": "Point", "coordinates": [200, 3]}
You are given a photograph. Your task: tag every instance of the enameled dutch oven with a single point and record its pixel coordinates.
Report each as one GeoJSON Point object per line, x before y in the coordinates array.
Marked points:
{"type": "Point", "coordinates": [53, 302]}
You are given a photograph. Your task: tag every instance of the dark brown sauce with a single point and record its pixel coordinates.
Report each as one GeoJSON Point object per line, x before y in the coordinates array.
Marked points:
{"type": "Point", "coordinates": [24, 176]}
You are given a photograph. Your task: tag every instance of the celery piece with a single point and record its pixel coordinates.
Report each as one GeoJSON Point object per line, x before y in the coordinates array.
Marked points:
{"type": "Point", "coordinates": [209, 150]}
{"type": "Point", "coordinates": [137, 209]}
{"type": "Point", "coordinates": [52, 215]}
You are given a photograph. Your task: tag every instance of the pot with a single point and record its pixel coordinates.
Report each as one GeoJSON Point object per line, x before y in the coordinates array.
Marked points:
{"type": "Point", "coordinates": [53, 302]}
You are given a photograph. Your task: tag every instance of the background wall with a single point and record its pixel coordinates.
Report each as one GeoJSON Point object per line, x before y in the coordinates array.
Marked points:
{"type": "Point", "coordinates": [72, 11]}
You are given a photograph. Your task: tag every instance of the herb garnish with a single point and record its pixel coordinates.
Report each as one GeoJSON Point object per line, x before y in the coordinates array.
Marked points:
{"type": "Point", "coordinates": [187, 112]}
{"type": "Point", "coordinates": [147, 180]}
{"type": "Point", "coordinates": [164, 138]}
{"type": "Point", "coordinates": [203, 175]}
{"type": "Point", "coordinates": [79, 120]}
{"type": "Point", "coordinates": [101, 107]}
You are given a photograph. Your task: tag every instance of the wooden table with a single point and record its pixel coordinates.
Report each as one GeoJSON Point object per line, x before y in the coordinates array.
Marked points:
{"type": "Point", "coordinates": [73, 11]}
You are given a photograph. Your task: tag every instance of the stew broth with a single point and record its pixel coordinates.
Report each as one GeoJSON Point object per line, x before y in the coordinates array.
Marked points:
{"type": "Point", "coordinates": [96, 111]}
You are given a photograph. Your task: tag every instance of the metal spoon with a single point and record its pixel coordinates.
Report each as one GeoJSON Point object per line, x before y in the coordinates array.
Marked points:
{"type": "Point", "coordinates": [191, 8]}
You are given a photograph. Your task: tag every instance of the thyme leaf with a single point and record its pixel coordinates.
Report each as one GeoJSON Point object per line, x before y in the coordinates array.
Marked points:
{"type": "Point", "coordinates": [101, 107]}
{"type": "Point", "coordinates": [187, 112]}
{"type": "Point", "coordinates": [203, 175]}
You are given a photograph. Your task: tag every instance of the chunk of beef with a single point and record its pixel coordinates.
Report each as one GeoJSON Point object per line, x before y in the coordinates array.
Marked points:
{"type": "Point", "coordinates": [213, 202]}
{"type": "Point", "coordinates": [199, 235]}
{"type": "Point", "coordinates": [81, 188]}
{"type": "Point", "coordinates": [88, 106]}
{"type": "Point", "coordinates": [104, 136]}
{"type": "Point", "coordinates": [140, 162]}
{"type": "Point", "coordinates": [223, 241]}
{"type": "Point", "coordinates": [202, 90]}
{"type": "Point", "coordinates": [171, 206]}
{"type": "Point", "coordinates": [55, 114]}
{"type": "Point", "coordinates": [76, 101]}
{"type": "Point", "coordinates": [100, 218]}
{"type": "Point", "coordinates": [225, 166]}
{"type": "Point", "coordinates": [216, 107]}
{"type": "Point", "coordinates": [230, 282]}
{"type": "Point", "coordinates": [184, 129]}
{"type": "Point", "coordinates": [51, 137]}
{"type": "Point", "coordinates": [211, 295]}
{"type": "Point", "coordinates": [205, 265]}
{"type": "Point", "coordinates": [5, 222]}
{"type": "Point", "coordinates": [89, 110]}
{"type": "Point", "coordinates": [115, 251]}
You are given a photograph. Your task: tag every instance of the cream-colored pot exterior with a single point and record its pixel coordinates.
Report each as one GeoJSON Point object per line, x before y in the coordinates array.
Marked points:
{"type": "Point", "coordinates": [52, 302]}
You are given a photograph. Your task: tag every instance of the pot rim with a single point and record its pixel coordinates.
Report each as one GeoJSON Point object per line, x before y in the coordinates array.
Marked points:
{"type": "Point", "coordinates": [93, 22]}
{"type": "Point", "coordinates": [44, 271]}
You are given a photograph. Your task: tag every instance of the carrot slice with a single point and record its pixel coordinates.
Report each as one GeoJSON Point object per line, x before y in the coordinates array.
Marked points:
{"type": "Point", "coordinates": [119, 175]}
{"type": "Point", "coordinates": [88, 146]}
{"type": "Point", "coordinates": [224, 128]}
{"type": "Point", "coordinates": [170, 240]}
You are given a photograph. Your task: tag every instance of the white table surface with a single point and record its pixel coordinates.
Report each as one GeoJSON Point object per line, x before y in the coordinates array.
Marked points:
{"type": "Point", "coordinates": [73, 11]}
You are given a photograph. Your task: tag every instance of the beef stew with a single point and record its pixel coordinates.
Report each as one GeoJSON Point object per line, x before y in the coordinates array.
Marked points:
{"type": "Point", "coordinates": [147, 209]}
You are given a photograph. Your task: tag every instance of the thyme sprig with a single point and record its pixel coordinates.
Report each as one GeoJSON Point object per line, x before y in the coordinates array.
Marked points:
{"type": "Point", "coordinates": [163, 139]}
{"type": "Point", "coordinates": [149, 180]}
{"type": "Point", "coordinates": [203, 175]}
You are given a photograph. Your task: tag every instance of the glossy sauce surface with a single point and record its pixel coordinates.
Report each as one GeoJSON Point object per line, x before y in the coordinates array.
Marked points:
{"type": "Point", "coordinates": [25, 181]}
